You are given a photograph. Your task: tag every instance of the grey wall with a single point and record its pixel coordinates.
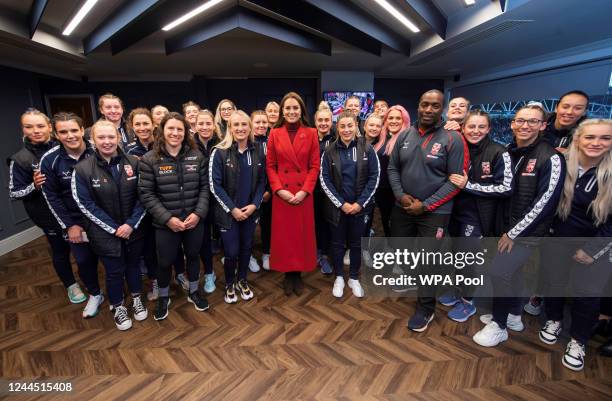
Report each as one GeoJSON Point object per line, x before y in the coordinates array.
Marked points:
{"type": "Point", "coordinates": [19, 91]}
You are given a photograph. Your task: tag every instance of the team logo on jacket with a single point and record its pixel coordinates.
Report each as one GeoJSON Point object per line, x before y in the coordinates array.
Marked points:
{"type": "Point", "coordinates": [164, 170]}
{"type": "Point", "coordinates": [128, 170]}
{"type": "Point", "coordinates": [35, 166]}
{"type": "Point", "coordinates": [67, 175]}
{"type": "Point", "coordinates": [435, 148]}
{"type": "Point", "coordinates": [486, 168]}
{"type": "Point", "coordinates": [95, 182]}
{"type": "Point", "coordinates": [190, 168]}
{"type": "Point", "coordinates": [529, 169]}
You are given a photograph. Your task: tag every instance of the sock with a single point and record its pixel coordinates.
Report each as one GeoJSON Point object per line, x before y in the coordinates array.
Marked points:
{"type": "Point", "coordinates": [164, 291]}
{"type": "Point", "coordinates": [193, 286]}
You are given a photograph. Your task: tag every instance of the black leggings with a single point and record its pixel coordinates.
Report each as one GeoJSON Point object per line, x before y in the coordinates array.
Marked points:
{"type": "Point", "coordinates": [384, 201]}
{"type": "Point", "coordinates": [60, 255]}
{"type": "Point", "coordinates": [265, 223]}
{"type": "Point", "coordinates": [169, 247]}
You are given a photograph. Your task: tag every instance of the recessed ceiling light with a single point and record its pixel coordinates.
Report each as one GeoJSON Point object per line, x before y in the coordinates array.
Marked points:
{"type": "Point", "coordinates": [470, 2]}
{"type": "Point", "coordinates": [191, 14]}
{"type": "Point", "coordinates": [76, 20]}
{"type": "Point", "coordinates": [400, 17]}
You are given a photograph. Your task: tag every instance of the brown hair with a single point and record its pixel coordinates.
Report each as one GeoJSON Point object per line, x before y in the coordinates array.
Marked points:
{"type": "Point", "coordinates": [477, 112]}
{"type": "Point", "coordinates": [34, 112]}
{"type": "Point", "coordinates": [63, 116]}
{"type": "Point", "coordinates": [258, 113]}
{"type": "Point", "coordinates": [135, 112]}
{"type": "Point", "coordinates": [190, 103]}
{"type": "Point", "coordinates": [160, 141]}
{"type": "Point", "coordinates": [297, 98]}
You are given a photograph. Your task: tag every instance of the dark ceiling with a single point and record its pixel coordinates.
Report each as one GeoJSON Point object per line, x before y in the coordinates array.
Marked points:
{"type": "Point", "coordinates": [122, 39]}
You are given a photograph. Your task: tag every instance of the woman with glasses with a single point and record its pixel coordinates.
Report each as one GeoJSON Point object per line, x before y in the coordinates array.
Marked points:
{"type": "Point", "coordinates": [539, 173]}
{"type": "Point", "coordinates": [225, 108]}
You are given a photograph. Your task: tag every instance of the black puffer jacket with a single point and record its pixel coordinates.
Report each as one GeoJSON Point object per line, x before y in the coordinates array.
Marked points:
{"type": "Point", "coordinates": [174, 186]}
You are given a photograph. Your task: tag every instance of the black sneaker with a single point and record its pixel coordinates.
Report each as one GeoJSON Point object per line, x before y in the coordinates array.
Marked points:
{"type": "Point", "coordinates": [198, 301]}
{"type": "Point", "coordinates": [244, 290]}
{"type": "Point", "coordinates": [161, 309]}
{"type": "Point", "coordinates": [122, 320]}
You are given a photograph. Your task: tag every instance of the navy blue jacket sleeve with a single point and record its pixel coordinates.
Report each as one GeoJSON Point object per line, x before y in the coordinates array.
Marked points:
{"type": "Point", "coordinates": [502, 180]}
{"type": "Point", "coordinates": [215, 171]}
{"type": "Point", "coordinates": [327, 183]}
{"type": "Point", "coordinates": [550, 187]}
{"type": "Point", "coordinates": [21, 184]}
{"type": "Point", "coordinates": [51, 190]}
{"type": "Point", "coordinates": [87, 205]}
{"type": "Point", "coordinates": [373, 178]}
{"type": "Point", "coordinates": [262, 180]}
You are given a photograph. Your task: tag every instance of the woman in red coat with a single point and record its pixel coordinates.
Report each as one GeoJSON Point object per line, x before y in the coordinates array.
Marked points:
{"type": "Point", "coordinates": [293, 167]}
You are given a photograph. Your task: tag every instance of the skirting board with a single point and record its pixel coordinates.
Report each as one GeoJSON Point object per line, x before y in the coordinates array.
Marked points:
{"type": "Point", "coordinates": [15, 241]}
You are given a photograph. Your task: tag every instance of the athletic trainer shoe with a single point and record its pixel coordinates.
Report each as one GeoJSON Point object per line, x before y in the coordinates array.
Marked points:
{"type": "Point", "coordinates": [199, 302]}
{"type": "Point", "coordinates": [534, 306]}
{"type": "Point", "coordinates": [355, 285]}
{"type": "Point", "coordinates": [491, 335]}
{"type": "Point", "coordinates": [338, 289]}
{"type": "Point", "coordinates": [122, 320]}
{"type": "Point", "coordinates": [209, 283]}
{"type": "Point", "coordinates": [265, 261]}
{"type": "Point", "coordinates": [326, 267]}
{"type": "Point", "coordinates": [550, 332]}
{"type": "Point", "coordinates": [449, 299]}
{"type": "Point", "coordinates": [93, 306]}
{"type": "Point", "coordinates": [253, 265]}
{"type": "Point", "coordinates": [513, 322]}
{"type": "Point", "coordinates": [420, 321]}
{"type": "Point", "coordinates": [462, 311]}
{"type": "Point", "coordinates": [347, 258]}
{"type": "Point", "coordinates": [75, 294]}
{"type": "Point", "coordinates": [244, 290]}
{"type": "Point", "coordinates": [140, 310]}
{"type": "Point", "coordinates": [161, 309]}
{"type": "Point", "coordinates": [230, 295]}
{"type": "Point", "coordinates": [574, 356]}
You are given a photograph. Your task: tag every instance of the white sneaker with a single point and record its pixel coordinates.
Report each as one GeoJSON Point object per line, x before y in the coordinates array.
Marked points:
{"type": "Point", "coordinates": [75, 294]}
{"type": "Point", "coordinates": [338, 289]}
{"type": "Point", "coordinates": [574, 356]}
{"type": "Point", "coordinates": [93, 306]}
{"type": "Point", "coordinates": [513, 322]}
{"type": "Point", "coordinates": [355, 285]}
{"type": "Point", "coordinates": [265, 261]}
{"type": "Point", "coordinates": [347, 258]}
{"type": "Point", "coordinates": [550, 332]}
{"type": "Point", "coordinates": [140, 311]}
{"type": "Point", "coordinates": [367, 259]}
{"type": "Point", "coordinates": [253, 265]}
{"type": "Point", "coordinates": [154, 293]}
{"type": "Point", "coordinates": [122, 320]}
{"type": "Point", "coordinates": [491, 335]}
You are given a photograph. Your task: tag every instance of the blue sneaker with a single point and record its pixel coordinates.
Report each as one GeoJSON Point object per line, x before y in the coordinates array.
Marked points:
{"type": "Point", "coordinates": [419, 321]}
{"type": "Point", "coordinates": [209, 283]}
{"type": "Point", "coordinates": [449, 299]}
{"type": "Point", "coordinates": [326, 267]}
{"type": "Point", "coordinates": [462, 311]}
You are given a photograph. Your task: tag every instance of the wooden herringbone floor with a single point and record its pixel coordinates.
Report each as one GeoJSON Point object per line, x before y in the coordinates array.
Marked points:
{"type": "Point", "coordinates": [276, 348]}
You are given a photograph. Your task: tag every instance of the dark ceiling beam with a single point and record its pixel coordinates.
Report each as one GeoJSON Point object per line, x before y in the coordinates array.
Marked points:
{"type": "Point", "coordinates": [239, 17]}
{"type": "Point", "coordinates": [36, 12]}
{"type": "Point", "coordinates": [360, 20]}
{"type": "Point", "coordinates": [430, 14]}
{"type": "Point", "coordinates": [118, 20]}
{"type": "Point", "coordinates": [314, 18]}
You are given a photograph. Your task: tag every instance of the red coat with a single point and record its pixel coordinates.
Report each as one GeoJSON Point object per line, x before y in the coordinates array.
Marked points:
{"type": "Point", "coordinates": [293, 167]}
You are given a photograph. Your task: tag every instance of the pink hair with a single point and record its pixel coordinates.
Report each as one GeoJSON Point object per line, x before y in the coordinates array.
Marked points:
{"type": "Point", "coordinates": [385, 129]}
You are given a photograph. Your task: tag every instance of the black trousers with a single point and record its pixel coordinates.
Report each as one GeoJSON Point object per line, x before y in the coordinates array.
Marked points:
{"type": "Point", "coordinates": [60, 256]}
{"type": "Point", "coordinates": [169, 246]}
{"type": "Point", "coordinates": [385, 201]}
{"type": "Point", "coordinates": [149, 256]}
{"type": "Point", "coordinates": [466, 238]}
{"type": "Point", "coordinates": [265, 223]}
{"type": "Point", "coordinates": [428, 225]}
{"type": "Point", "coordinates": [349, 230]}
{"type": "Point", "coordinates": [322, 229]}
{"type": "Point", "coordinates": [585, 283]}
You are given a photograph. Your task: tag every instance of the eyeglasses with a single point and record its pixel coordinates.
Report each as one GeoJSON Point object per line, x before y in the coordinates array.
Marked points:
{"type": "Point", "coordinates": [534, 122]}
{"type": "Point", "coordinates": [226, 109]}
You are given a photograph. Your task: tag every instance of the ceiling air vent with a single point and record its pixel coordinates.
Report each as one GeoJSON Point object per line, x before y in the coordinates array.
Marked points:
{"type": "Point", "coordinates": [450, 46]}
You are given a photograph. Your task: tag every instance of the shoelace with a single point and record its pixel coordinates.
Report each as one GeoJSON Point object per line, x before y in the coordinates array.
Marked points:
{"type": "Point", "coordinates": [244, 286]}
{"type": "Point", "coordinates": [121, 314]}
{"type": "Point", "coordinates": [575, 349]}
{"type": "Point", "coordinates": [551, 326]}
{"type": "Point", "coordinates": [138, 306]}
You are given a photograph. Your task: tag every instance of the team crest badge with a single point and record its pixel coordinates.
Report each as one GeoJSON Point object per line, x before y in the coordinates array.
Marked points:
{"type": "Point", "coordinates": [530, 166]}
{"type": "Point", "coordinates": [128, 170]}
{"type": "Point", "coordinates": [435, 148]}
{"type": "Point", "coordinates": [486, 168]}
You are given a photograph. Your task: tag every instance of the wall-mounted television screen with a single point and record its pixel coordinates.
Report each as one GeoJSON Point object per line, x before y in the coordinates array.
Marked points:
{"type": "Point", "coordinates": [336, 101]}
